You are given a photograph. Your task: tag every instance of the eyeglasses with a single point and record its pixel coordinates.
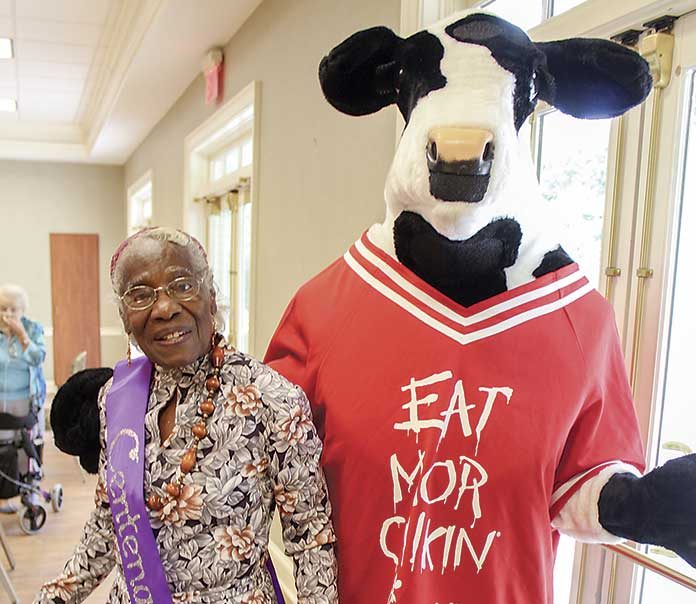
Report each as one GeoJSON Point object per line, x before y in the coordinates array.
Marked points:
{"type": "Point", "coordinates": [142, 297]}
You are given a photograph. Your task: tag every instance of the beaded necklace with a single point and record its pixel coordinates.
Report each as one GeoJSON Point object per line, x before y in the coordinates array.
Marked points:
{"type": "Point", "coordinates": [199, 430]}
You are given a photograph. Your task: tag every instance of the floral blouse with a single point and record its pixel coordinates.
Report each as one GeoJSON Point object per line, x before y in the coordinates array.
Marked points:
{"type": "Point", "coordinates": [261, 451]}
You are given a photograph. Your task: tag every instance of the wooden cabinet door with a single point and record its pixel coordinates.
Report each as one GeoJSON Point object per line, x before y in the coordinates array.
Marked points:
{"type": "Point", "coordinates": [75, 301]}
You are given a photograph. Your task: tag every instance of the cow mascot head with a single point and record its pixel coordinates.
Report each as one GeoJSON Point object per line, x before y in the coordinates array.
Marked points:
{"type": "Point", "coordinates": [463, 204]}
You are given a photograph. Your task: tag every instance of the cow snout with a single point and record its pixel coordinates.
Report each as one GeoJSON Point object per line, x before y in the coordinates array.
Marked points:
{"type": "Point", "coordinates": [460, 150]}
{"type": "Point", "coordinates": [459, 160]}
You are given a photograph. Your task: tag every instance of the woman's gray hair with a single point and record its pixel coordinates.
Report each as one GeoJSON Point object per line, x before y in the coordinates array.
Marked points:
{"type": "Point", "coordinates": [140, 241]}
{"type": "Point", "coordinates": [15, 294]}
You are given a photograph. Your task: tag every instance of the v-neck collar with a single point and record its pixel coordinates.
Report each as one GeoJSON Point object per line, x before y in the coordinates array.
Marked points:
{"type": "Point", "coordinates": [463, 324]}
{"type": "Point", "coordinates": [170, 380]}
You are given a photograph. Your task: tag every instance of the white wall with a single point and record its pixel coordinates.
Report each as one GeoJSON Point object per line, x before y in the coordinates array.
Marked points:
{"type": "Point", "coordinates": [321, 173]}
{"type": "Point", "coordinates": [41, 198]}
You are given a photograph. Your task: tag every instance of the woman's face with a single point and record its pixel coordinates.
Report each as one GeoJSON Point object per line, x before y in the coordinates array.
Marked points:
{"type": "Point", "coordinates": [171, 333]}
{"type": "Point", "coordinates": [9, 309]}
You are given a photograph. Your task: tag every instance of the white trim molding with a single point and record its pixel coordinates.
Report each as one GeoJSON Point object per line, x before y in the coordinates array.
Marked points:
{"type": "Point", "coordinates": [199, 144]}
{"type": "Point", "coordinates": [127, 24]}
{"type": "Point", "coordinates": [211, 135]}
{"type": "Point", "coordinates": [133, 188]}
{"type": "Point", "coordinates": [605, 18]}
{"type": "Point", "coordinates": [596, 18]}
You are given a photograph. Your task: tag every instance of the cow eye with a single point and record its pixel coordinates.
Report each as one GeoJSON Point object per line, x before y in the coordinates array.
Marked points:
{"type": "Point", "coordinates": [399, 79]}
{"type": "Point", "coordinates": [387, 78]}
{"type": "Point", "coordinates": [533, 91]}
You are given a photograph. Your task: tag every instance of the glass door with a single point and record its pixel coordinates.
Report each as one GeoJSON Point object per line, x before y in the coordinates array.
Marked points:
{"type": "Point", "coordinates": [655, 171]}
{"type": "Point", "coordinates": [673, 425]}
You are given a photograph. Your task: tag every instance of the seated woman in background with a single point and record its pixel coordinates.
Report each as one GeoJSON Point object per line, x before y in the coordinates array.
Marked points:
{"type": "Point", "coordinates": [22, 352]}
{"type": "Point", "coordinates": [199, 443]}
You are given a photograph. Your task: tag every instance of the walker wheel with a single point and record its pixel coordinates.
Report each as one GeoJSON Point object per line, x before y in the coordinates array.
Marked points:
{"type": "Point", "coordinates": [57, 497]}
{"type": "Point", "coordinates": [32, 518]}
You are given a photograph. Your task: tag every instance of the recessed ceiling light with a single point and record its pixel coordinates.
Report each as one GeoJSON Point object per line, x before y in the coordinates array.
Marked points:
{"type": "Point", "coordinates": [8, 105]}
{"type": "Point", "coordinates": [6, 48]}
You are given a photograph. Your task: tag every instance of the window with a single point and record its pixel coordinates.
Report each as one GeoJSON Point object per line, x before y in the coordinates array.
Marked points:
{"type": "Point", "coordinates": [140, 204]}
{"type": "Point", "coordinates": [220, 170]}
{"type": "Point", "coordinates": [229, 249]}
{"type": "Point", "coordinates": [220, 251]}
{"type": "Point", "coordinates": [572, 169]}
{"type": "Point", "coordinates": [561, 6]}
{"type": "Point", "coordinates": [523, 13]}
{"type": "Point", "coordinates": [528, 13]}
{"type": "Point", "coordinates": [675, 425]}
{"type": "Point", "coordinates": [242, 290]}
{"type": "Point", "coordinates": [237, 151]}
{"type": "Point", "coordinates": [237, 155]}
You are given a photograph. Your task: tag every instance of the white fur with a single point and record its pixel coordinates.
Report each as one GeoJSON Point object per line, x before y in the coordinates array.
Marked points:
{"type": "Point", "coordinates": [579, 517]}
{"type": "Point", "coordinates": [478, 94]}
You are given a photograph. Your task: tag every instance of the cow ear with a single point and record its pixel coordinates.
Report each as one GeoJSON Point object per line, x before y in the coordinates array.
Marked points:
{"type": "Point", "coordinates": [360, 75]}
{"type": "Point", "coordinates": [592, 78]}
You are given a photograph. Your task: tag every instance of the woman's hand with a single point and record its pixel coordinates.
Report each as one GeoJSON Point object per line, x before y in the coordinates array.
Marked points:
{"type": "Point", "coordinates": [17, 329]}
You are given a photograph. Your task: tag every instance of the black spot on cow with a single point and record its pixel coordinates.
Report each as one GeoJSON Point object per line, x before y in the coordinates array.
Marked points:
{"type": "Point", "coordinates": [513, 50]}
{"type": "Point", "coordinates": [470, 270]}
{"type": "Point", "coordinates": [448, 187]}
{"type": "Point", "coordinates": [419, 71]}
{"type": "Point", "coordinates": [466, 271]}
{"type": "Point", "coordinates": [375, 68]}
{"type": "Point", "coordinates": [552, 261]}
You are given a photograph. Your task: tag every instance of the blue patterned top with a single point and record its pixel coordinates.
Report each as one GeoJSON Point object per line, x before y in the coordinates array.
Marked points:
{"type": "Point", "coordinates": [21, 375]}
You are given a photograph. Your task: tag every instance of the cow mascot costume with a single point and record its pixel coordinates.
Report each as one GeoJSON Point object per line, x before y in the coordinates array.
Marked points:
{"type": "Point", "coordinates": [467, 381]}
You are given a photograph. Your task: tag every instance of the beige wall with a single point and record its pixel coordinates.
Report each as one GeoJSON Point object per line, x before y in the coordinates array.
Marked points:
{"type": "Point", "coordinates": [321, 173]}
{"type": "Point", "coordinates": [42, 198]}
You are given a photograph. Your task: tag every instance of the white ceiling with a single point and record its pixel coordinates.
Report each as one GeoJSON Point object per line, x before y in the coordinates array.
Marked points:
{"type": "Point", "coordinates": [55, 43]}
{"type": "Point", "coordinates": [92, 77]}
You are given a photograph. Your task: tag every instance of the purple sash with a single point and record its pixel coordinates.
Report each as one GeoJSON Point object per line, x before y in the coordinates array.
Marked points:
{"type": "Point", "coordinates": [274, 579]}
{"type": "Point", "coordinates": [126, 405]}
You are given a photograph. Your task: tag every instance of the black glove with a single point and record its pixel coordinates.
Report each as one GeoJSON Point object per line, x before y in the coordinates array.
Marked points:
{"type": "Point", "coordinates": [75, 416]}
{"type": "Point", "coordinates": [659, 508]}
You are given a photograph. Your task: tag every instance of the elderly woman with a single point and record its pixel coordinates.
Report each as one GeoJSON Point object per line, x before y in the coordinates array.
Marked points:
{"type": "Point", "coordinates": [22, 352]}
{"type": "Point", "coordinates": [225, 440]}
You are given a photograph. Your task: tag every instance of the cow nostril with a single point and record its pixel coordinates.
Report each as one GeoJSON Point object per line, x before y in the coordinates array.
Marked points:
{"type": "Point", "coordinates": [488, 152]}
{"type": "Point", "coordinates": [432, 151]}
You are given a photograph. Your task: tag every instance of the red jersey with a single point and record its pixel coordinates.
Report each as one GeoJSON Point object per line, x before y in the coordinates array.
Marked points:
{"type": "Point", "coordinates": [453, 435]}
